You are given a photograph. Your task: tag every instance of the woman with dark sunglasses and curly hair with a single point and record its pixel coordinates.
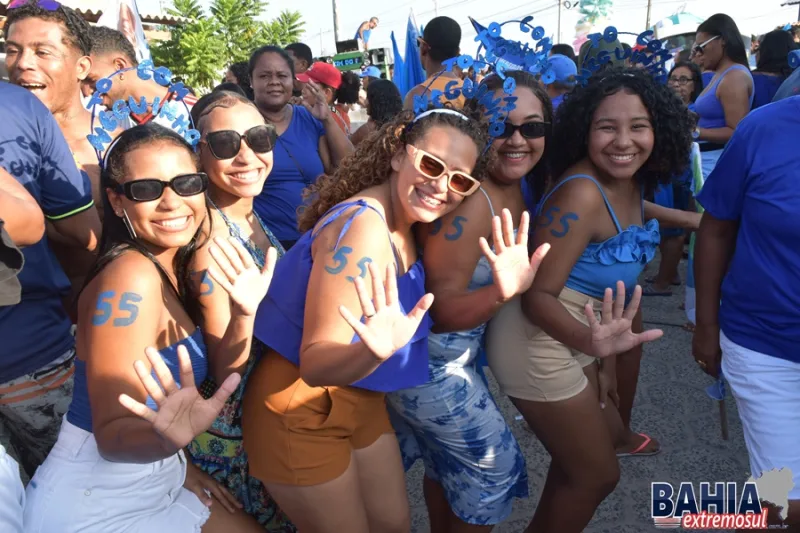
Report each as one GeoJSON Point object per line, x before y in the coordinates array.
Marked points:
{"type": "Point", "coordinates": [315, 423]}
{"type": "Point", "coordinates": [617, 137]}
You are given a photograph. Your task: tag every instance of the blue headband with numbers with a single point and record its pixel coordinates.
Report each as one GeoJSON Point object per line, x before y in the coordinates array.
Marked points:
{"type": "Point", "coordinates": [653, 57]}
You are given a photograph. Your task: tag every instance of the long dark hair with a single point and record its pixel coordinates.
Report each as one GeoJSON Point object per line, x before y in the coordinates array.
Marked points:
{"type": "Point", "coordinates": [697, 76]}
{"type": "Point", "coordinates": [773, 53]}
{"type": "Point", "coordinates": [539, 177]}
{"type": "Point", "coordinates": [116, 239]}
{"type": "Point", "coordinates": [724, 26]}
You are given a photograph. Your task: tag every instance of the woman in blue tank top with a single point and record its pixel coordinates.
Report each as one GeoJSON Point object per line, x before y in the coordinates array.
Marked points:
{"type": "Point", "coordinates": [620, 134]}
{"type": "Point", "coordinates": [315, 425]}
{"type": "Point", "coordinates": [728, 97]}
{"type": "Point", "coordinates": [118, 464]}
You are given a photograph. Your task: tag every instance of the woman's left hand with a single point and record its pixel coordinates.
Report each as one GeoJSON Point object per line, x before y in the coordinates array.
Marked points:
{"type": "Point", "coordinates": [512, 269]}
{"type": "Point", "coordinates": [204, 487]}
{"type": "Point", "coordinates": [314, 101]}
{"type": "Point", "coordinates": [238, 274]}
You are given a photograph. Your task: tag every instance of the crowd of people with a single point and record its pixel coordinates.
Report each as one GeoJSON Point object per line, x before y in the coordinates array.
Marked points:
{"type": "Point", "coordinates": [261, 328]}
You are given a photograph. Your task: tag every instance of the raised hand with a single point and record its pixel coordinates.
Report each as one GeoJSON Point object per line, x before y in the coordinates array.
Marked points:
{"type": "Point", "coordinates": [314, 101]}
{"type": "Point", "coordinates": [512, 270]}
{"type": "Point", "coordinates": [613, 335]}
{"type": "Point", "coordinates": [386, 328]}
{"type": "Point", "coordinates": [239, 275]}
{"type": "Point", "coordinates": [182, 413]}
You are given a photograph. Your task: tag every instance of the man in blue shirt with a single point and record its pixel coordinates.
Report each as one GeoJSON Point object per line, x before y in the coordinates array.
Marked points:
{"type": "Point", "coordinates": [747, 275]}
{"type": "Point", "coordinates": [38, 347]}
{"type": "Point", "coordinates": [565, 71]}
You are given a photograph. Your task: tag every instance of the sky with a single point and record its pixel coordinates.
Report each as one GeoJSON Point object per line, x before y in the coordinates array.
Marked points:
{"type": "Point", "coordinates": [628, 15]}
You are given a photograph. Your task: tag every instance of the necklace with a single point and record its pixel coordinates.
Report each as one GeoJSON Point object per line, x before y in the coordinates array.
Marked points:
{"type": "Point", "coordinates": [256, 253]}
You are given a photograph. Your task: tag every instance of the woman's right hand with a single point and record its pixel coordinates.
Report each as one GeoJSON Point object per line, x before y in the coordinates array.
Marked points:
{"type": "Point", "coordinates": [613, 334]}
{"type": "Point", "coordinates": [386, 328]}
{"type": "Point", "coordinates": [182, 412]}
{"type": "Point", "coordinates": [706, 350]}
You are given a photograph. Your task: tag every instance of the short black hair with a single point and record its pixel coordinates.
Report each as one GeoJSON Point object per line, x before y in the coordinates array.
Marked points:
{"type": "Point", "coordinates": [269, 49]}
{"type": "Point", "coordinates": [670, 118]}
{"type": "Point", "coordinates": [773, 53]}
{"type": "Point", "coordinates": [77, 31]}
{"type": "Point", "coordinates": [228, 86]}
{"type": "Point", "coordinates": [301, 51]}
{"type": "Point", "coordinates": [347, 93]}
{"type": "Point", "coordinates": [383, 101]}
{"type": "Point", "coordinates": [443, 36]}
{"type": "Point", "coordinates": [564, 50]}
{"type": "Point", "coordinates": [108, 40]}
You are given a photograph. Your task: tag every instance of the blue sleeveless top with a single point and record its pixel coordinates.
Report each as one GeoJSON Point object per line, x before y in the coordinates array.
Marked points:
{"type": "Point", "coordinates": [80, 412]}
{"type": "Point", "coordinates": [622, 257]}
{"type": "Point", "coordinates": [279, 321]}
{"type": "Point", "coordinates": [708, 106]}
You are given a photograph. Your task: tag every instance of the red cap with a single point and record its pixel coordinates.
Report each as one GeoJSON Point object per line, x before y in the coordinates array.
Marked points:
{"type": "Point", "coordinates": [321, 72]}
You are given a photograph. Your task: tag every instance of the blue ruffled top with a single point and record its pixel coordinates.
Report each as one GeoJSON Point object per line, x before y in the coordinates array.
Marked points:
{"type": "Point", "coordinates": [621, 257]}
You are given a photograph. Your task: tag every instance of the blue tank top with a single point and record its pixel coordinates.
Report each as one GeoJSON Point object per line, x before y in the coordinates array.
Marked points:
{"type": "Point", "coordinates": [621, 257]}
{"type": "Point", "coordinates": [80, 412]}
{"type": "Point", "coordinates": [367, 33]}
{"type": "Point", "coordinates": [708, 106]}
{"type": "Point", "coordinates": [279, 321]}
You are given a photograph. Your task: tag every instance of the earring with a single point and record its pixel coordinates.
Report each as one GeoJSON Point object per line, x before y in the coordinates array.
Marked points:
{"type": "Point", "coordinates": [121, 76]}
{"type": "Point", "coordinates": [128, 225]}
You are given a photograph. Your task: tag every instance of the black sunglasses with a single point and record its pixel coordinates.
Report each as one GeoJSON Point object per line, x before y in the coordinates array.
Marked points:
{"type": "Point", "coordinates": [149, 189]}
{"type": "Point", "coordinates": [529, 130]}
{"type": "Point", "coordinates": [225, 144]}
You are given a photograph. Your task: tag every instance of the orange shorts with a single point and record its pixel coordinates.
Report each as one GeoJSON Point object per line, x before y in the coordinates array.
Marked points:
{"type": "Point", "coordinates": [299, 435]}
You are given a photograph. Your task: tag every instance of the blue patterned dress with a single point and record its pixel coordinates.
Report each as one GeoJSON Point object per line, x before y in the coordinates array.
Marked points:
{"type": "Point", "coordinates": [454, 425]}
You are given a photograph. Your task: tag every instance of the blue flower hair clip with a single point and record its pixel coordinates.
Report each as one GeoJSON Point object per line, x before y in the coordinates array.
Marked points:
{"type": "Point", "coordinates": [115, 117]}
{"type": "Point", "coordinates": [652, 55]}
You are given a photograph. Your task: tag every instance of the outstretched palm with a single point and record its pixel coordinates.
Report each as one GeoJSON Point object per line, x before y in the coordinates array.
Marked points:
{"type": "Point", "coordinates": [512, 269]}
{"type": "Point", "coordinates": [386, 328]}
{"type": "Point", "coordinates": [238, 274]}
{"type": "Point", "coordinates": [612, 334]}
{"type": "Point", "coordinates": [182, 413]}
{"type": "Point", "coordinates": [314, 101]}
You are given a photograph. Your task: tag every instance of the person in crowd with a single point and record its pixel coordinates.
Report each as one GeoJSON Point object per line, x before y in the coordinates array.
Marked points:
{"type": "Point", "coordinates": [564, 50]}
{"type": "Point", "coordinates": [140, 298]}
{"type": "Point", "coordinates": [113, 55]}
{"type": "Point", "coordinates": [369, 75]}
{"type": "Point", "coordinates": [565, 71]}
{"type": "Point", "coordinates": [772, 67]}
{"type": "Point", "coordinates": [239, 73]}
{"type": "Point", "coordinates": [301, 56]}
{"type": "Point", "coordinates": [236, 153]}
{"type": "Point", "coordinates": [440, 41]}
{"type": "Point", "coordinates": [364, 31]}
{"type": "Point", "coordinates": [728, 97]}
{"type": "Point", "coordinates": [790, 87]}
{"type": "Point", "coordinates": [47, 53]}
{"type": "Point", "coordinates": [309, 144]}
{"type": "Point", "coordinates": [474, 467]}
{"type": "Point", "coordinates": [38, 346]}
{"type": "Point", "coordinates": [383, 104]}
{"type": "Point", "coordinates": [748, 291]}
{"type": "Point", "coordinates": [226, 86]}
{"type": "Point", "coordinates": [340, 90]}
{"type": "Point", "coordinates": [618, 137]}
{"type": "Point", "coordinates": [320, 389]}
{"type": "Point", "coordinates": [686, 80]}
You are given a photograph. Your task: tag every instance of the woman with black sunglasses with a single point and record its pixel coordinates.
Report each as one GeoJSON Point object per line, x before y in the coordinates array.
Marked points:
{"type": "Point", "coordinates": [236, 152]}
{"type": "Point", "coordinates": [118, 464]}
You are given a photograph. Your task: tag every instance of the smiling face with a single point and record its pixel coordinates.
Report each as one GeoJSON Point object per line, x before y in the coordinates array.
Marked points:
{"type": "Point", "coordinates": [172, 220]}
{"type": "Point", "coordinates": [39, 59]}
{"type": "Point", "coordinates": [424, 199]}
{"type": "Point", "coordinates": [272, 81]}
{"type": "Point", "coordinates": [516, 155]}
{"type": "Point", "coordinates": [244, 175]}
{"type": "Point", "coordinates": [621, 135]}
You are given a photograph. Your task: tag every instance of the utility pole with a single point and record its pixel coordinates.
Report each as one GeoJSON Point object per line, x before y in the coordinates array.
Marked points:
{"type": "Point", "coordinates": [335, 21]}
{"type": "Point", "coordinates": [558, 35]}
{"type": "Point", "coordinates": [649, 7]}
{"type": "Point", "coordinates": [436, 7]}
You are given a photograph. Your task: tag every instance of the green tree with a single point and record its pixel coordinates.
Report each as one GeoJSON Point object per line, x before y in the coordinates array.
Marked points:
{"type": "Point", "coordinates": [237, 26]}
{"type": "Point", "coordinates": [286, 29]}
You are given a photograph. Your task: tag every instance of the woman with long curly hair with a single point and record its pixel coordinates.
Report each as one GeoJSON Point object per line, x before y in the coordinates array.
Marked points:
{"type": "Point", "coordinates": [383, 104]}
{"type": "Point", "coordinates": [618, 137]}
{"type": "Point", "coordinates": [316, 428]}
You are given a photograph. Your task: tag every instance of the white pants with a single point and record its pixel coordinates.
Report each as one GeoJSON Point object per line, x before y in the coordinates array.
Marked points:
{"type": "Point", "coordinates": [76, 490]}
{"type": "Point", "coordinates": [12, 494]}
{"type": "Point", "coordinates": [767, 392]}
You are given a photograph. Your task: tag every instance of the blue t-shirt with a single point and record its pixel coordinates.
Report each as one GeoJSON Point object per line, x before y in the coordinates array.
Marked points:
{"type": "Point", "coordinates": [33, 150]}
{"type": "Point", "coordinates": [296, 165]}
{"type": "Point", "coordinates": [756, 183]}
{"type": "Point", "coordinates": [764, 88]}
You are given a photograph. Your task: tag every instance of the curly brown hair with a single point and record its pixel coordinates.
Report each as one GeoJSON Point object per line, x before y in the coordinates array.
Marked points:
{"type": "Point", "coordinates": [371, 163]}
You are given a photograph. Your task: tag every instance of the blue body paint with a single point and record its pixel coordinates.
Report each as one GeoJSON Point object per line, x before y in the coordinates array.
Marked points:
{"type": "Point", "coordinates": [436, 226]}
{"type": "Point", "coordinates": [103, 308]}
{"type": "Point", "coordinates": [340, 258]}
{"type": "Point", "coordinates": [206, 283]}
{"type": "Point", "coordinates": [127, 304]}
{"type": "Point", "coordinates": [457, 227]}
{"type": "Point", "coordinates": [564, 220]}
{"type": "Point", "coordinates": [362, 265]}
{"type": "Point", "coordinates": [548, 216]}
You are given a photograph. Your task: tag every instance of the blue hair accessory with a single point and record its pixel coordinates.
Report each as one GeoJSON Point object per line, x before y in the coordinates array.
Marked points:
{"type": "Point", "coordinates": [111, 119]}
{"type": "Point", "coordinates": [654, 59]}
{"type": "Point", "coordinates": [794, 59]}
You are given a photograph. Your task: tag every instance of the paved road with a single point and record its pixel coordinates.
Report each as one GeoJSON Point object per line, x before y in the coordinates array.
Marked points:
{"type": "Point", "coordinates": [671, 405]}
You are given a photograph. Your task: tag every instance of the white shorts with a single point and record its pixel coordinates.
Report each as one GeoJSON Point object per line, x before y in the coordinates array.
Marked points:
{"type": "Point", "coordinates": [767, 392]}
{"type": "Point", "coordinates": [76, 490]}
{"type": "Point", "coordinates": [12, 494]}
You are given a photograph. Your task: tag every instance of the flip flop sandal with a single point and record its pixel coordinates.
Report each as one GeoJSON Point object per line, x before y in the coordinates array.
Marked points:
{"type": "Point", "coordinates": [638, 451]}
{"type": "Point", "coordinates": [648, 290]}
{"type": "Point", "coordinates": [688, 327]}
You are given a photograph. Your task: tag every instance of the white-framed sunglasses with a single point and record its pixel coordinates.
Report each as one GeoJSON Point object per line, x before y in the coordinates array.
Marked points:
{"type": "Point", "coordinates": [700, 48]}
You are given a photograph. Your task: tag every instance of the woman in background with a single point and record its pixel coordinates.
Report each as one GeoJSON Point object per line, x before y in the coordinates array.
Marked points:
{"type": "Point", "coordinates": [340, 90]}
{"type": "Point", "coordinates": [383, 104]}
{"type": "Point", "coordinates": [239, 73]}
{"type": "Point", "coordinates": [772, 66]}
